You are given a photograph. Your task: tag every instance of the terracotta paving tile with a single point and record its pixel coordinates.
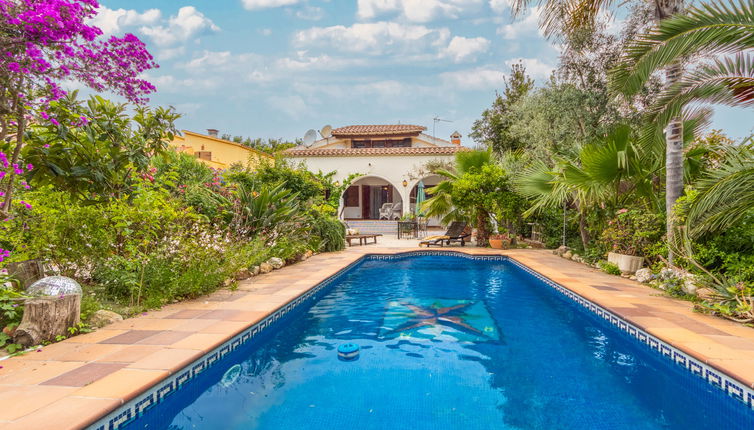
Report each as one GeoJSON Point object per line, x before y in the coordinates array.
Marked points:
{"type": "Point", "coordinates": [167, 359]}
{"type": "Point", "coordinates": [734, 342]}
{"type": "Point", "coordinates": [250, 317]}
{"type": "Point", "coordinates": [201, 341]}
{"type": "Point", "coordinates": [195, 325]}
{"type": "Point", "coordinates": [218, 314]}
{"type": "Point", "coordinates": [131, 353]}
{"type": "Point", "coordinates": [226, 296]}
{"type": "Point", "coordinates": [18, 401]}
{"type": "Point", "coordinates": [90, 352]}
{"type": "Point", "coordinates": [188, 314]}
{"type": "Point", "coordinates": [96, 336]}
{"type": "Point", "coordinates": [67, 413]}
{"type": "Point", "coordinates": [139, 323]}
{"type": "Point", "coordinates": [35, 372]}
{"type": "Point", "coordinates": [740, 369]}
{"type": "Point", "coordinates": [57, 351]}
{"type": "Point", "coordinates": [164, 338]}
{"type": "Point", "coordinates": [85, 374]}
{"type": "Point", "coordinates": [130, 337]}
{"type": "Point", "coordinates": [123, 384]}
{"type": "Point", "coordinates": [231, 328]}
{"type": "Point", "coordinates": [605, 288]}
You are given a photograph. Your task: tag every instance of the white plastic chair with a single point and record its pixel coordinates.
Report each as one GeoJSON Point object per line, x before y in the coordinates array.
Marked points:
{"type": "Point", "coordinates": [386, 210]}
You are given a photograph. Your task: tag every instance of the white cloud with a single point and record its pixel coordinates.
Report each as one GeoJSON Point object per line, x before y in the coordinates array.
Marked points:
{"type": "Point", "coordinates": [499, 6]}
{"type": "Point", "coordinates": [302, 61]}
{"type": "Point", "coordinates": [265, 31]}
{"type": "Point", "coordinates": [462, 49]}
{"type": "Point", "coordinates": [416, 10]}
{"type": "Point", "coordinates": [209, 59]}
{"type": "Point", "coordinates": [292, 106]}
{"type": "Point", "coordinates": [375, 38]}
{"type": "Point", "coordinates": [480, 78]}
{"type": "Point", "coordinates": [310, 13]}
{"type": "Point", "coordinates": [113, 20]}
{"type": "Point", "coordinates": [187, 24]}
{"type": "Point", "coordinates": [169, 83]}
{"type": "Point", "coordinates": [534, 67]}
{"type": "Point", "coordinates": [526, 27]}
{"type": "Point", "coordinates": [265, 4]}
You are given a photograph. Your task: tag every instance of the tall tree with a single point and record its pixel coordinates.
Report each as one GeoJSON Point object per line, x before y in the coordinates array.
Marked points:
{"type": "Point", "coordinates": [45, 42]}
{"type": "Point", "coordinates": [493, 129]}
{"type": "Point", "coordinates": [565, 17]}
{"type": "Point", "coordinates": [705, 30]}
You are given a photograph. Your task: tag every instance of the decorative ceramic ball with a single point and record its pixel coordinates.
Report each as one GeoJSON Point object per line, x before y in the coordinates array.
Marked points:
{"type": "Point", "coordinates": [54, 286]}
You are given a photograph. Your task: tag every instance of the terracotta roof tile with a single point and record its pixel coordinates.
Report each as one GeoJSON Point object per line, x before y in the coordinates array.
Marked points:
{"type": "Point", "coordinates": [366, 152]}
{"type": "Point", "coordinates": [377, 130]}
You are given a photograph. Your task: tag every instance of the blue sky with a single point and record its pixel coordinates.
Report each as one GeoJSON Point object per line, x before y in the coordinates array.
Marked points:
{"type": "Point", "coordinates": [275, 68]}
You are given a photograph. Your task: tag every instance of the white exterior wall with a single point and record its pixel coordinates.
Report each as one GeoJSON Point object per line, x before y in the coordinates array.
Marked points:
{"type": "Point", "coordinates": [393, 169]}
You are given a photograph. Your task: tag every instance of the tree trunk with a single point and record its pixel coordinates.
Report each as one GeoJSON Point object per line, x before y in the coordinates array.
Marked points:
{"type": "Point", "coordinates": [673, 164]}
{"type": "Point", "coordinates": [674, 133]}
{"type": "Point", "coordinates": [583, 231]}
{"type": "Point", "coordinates": [47, 317]}
{"type": "Point", "coordinates": [482, 235]}
{"type": "Point", "coordinates": [5, 208]}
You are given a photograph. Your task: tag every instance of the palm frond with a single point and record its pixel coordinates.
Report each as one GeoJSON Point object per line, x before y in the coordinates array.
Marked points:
{"type": "Point", "coordinates": [726, 194]}
{"type": "Point", "coordinates": [727, 81]}
{"type": "Point", "coordinates": [719, 27]}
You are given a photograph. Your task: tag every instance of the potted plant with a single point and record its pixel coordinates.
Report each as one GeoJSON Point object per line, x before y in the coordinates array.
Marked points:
{"type": "Point", "coordinates": [629, 235]}
{"type": "Point", "coordinates": [500, 241]}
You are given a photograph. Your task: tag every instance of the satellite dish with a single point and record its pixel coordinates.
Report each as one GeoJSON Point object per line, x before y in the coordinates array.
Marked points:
{"type": "Point", "coordinates": [309, 138]}
{"type": "Point", "coordinates": [326, 132]}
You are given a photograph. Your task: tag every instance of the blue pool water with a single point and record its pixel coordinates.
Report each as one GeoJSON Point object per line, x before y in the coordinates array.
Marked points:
{"type": "Point", "coordinates": [446, 343]}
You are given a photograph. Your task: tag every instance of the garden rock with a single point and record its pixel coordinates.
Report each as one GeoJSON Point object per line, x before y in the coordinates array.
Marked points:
{"type": "Point", "coordinates": [644, 275]}
{"type": "Point", "coordinates": [568, 255]}
{"type": "Point", "coordinates": [265, 268]}
{"type": "Point", "coordinates": [276, 263]}
{"type": "Point", "coordinates": [560, 251]}
{"type": "Point", "coordinates": [104, 317]}
{"type": "Point", "coordinates": [689, 285]}
{"type": "Point", "coordinates": [254, 270]}
{"type": "Point", "coordinates": [243, 274]}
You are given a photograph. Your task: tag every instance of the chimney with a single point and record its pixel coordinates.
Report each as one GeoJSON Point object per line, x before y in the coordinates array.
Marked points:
{"type": "Point", "coordinates": [212, 132]}
{"type": "Point", "coordinates": [455, 138]}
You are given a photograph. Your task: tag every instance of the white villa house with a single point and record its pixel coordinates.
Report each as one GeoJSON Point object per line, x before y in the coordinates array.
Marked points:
{"type": "Point", "coordinates": [392, 160]}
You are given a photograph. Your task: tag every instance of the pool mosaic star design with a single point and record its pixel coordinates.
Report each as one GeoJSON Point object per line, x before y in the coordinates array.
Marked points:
{"type": "Point", "coordinates": [441, 319]}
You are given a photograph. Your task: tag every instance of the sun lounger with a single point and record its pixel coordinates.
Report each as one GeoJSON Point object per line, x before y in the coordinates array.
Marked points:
{"type": "Point", "coordinates": [454, 234]}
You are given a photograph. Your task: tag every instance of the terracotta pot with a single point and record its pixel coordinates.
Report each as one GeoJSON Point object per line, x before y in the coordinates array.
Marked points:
{"type": "Point", "coordinates": [499, 243]}
{"type": "Point", "coordinates": [626, 263]}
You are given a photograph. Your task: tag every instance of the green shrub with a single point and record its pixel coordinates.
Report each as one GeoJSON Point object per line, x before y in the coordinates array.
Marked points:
{"type": "Point", "coordinates": [633, 232]}
{"type": "Point", "coordinates": [330, 232]}
{"type": "Point", "coordinates": [609, 268]}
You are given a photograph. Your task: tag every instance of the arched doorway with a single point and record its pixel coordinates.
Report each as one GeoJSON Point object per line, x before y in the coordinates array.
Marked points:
{"type": "Point", "coordinates": [371, 198]}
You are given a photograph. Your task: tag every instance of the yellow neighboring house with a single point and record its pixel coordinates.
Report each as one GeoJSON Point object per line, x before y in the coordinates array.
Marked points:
{"type": "Point", "coordinates": [216, 152]}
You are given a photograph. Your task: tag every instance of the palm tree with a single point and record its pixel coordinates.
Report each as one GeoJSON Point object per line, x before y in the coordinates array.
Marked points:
{"type": "Point", "coordinates": [566, 17]}
{"type": "Point", "coordinates": [707, 29]}
{"type": "Point", "coordinates": [441, 203]}
{"type": "Point", "coordinates": [607, 171]}
{"type": "Point", "coordinates": [726, 194]}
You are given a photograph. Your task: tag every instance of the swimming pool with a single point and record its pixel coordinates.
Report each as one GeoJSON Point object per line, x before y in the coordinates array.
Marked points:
{"type": "Point", "coordinates": [446, 341]}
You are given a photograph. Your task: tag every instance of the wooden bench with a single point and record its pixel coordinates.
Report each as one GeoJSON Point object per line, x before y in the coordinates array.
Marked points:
{"type": "Point", "coordinates": [363, 238]}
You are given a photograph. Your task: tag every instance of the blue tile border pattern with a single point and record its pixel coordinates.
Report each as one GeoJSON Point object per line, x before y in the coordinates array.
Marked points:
{"type": "Point", "coordinates": [134, 408]}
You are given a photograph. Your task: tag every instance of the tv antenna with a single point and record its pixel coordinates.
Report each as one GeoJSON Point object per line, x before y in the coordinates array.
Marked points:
{"type": "Point", "coordinates": [326, 132]}
{"type": "Point", "coordinates": [309, 138]}
{"type": "Point", "coordinates": [435, 120]}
